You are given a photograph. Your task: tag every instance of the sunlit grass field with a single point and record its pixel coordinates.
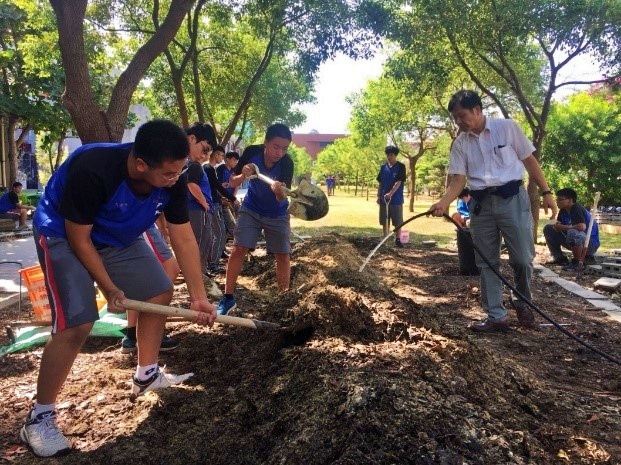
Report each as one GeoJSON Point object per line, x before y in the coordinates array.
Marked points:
{"type": "Point", "coordinates": [358, 216]}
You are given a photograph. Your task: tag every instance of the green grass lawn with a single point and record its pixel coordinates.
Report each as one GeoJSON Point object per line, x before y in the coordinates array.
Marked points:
{"type": "Point", "coordinates": [358, 216]}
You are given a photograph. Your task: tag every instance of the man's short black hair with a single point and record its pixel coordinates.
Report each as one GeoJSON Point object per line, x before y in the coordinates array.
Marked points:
{"type": "Point", "coordinates": [232, 154]}
{"type": "Point", "coordinates": [160, 140]}
{"type": "Point", "coordinates": [467, 99]}
{"type": "Point", "coordinates": [278, 130]}
{"type": "Point", "coordinates": [219, 148]}
{"type": "Point", "coordinates": [464, 192]}
{"type": "Point", "coordinates": [391, 150]}
{"type": "Point", "coordinates": [567, 193]}
{"type": "Point", "coordinates": [202, 132]}
{"type": "Point", "coordinates": [17, 184]}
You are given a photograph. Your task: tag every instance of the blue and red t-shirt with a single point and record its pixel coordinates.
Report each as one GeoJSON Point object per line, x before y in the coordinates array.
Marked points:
{"type": "Point", "coordinates": [92, 187]}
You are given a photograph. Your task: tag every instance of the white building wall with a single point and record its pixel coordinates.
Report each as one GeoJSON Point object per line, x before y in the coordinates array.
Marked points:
{"type": "Point", "coordinates": [143, 113]}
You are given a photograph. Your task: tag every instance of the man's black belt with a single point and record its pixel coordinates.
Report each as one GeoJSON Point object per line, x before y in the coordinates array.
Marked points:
{"type": "Point", "coordinates": [505, 191]}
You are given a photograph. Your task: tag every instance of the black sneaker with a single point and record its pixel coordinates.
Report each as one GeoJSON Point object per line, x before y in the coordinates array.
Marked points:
{"type": "Point", "coordinates": [590, 260]}
{"type": "Point", "coordinates": [168, 343]}
{"type": "Point", "coordinates": [129, 346]}
{"type": "Point", "coordinates": [558, 261]}
{"type": "Point", "coordinates": [573, 266]}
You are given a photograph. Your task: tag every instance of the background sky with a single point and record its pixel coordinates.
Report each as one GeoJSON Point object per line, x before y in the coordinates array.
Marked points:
{"type": "Point", "coordinates": [343, 76]}
{"type": "Point", "coordinates": [336, 80]}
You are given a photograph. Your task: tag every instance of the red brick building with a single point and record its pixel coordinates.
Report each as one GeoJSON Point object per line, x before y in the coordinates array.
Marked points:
{"type": "Point", "coordinates": [315, 142]}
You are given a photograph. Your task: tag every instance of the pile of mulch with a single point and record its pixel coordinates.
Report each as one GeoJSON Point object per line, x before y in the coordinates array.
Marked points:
{"type": "Point", "coordinates": [390, 376]}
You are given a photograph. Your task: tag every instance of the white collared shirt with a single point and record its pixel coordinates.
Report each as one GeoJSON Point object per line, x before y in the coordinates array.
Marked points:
{"type": "Point", "coordinates": [492, 158]}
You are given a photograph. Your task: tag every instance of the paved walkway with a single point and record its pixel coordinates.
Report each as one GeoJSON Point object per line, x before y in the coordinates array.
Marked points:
{"type": "Point", "coordinates": [17, 251]}
{"type": "Point", "coordinates": [594, 298]}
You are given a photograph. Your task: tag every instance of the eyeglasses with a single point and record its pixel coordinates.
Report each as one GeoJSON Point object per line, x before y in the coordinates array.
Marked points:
{"type": "Point", "coordinates": [165, 176]}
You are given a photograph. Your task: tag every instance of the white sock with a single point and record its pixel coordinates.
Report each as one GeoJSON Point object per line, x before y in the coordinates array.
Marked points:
{"type": "Point", "coordinates": [40, 408]}
{"type": "Point", "coordinates": [144, 373]}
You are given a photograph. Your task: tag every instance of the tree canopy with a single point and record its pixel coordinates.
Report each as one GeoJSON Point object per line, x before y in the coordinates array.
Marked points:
{"type": "Point", "coordinates": [583, 146]}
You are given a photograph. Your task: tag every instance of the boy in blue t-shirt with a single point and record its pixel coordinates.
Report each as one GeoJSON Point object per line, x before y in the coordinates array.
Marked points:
{"type": "Point", "coordinates": [570, 231]}
{"type": "Point", "coordinates": [88, 229]}
{"type": "Point", "coordinates": [391, 178]}
{"type": "Point", "coordinates": [264, 209]}
{"type": "Point", "coordinates": [462, 215]}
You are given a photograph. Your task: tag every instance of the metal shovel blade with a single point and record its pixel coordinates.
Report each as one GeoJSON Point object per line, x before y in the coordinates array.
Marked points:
{"type": "Point", "coordinates": [308, 202]}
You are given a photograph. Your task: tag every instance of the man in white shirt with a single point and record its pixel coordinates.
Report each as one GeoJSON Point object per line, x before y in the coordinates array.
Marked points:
{"type": "Point", "coordinates": [492, 155]}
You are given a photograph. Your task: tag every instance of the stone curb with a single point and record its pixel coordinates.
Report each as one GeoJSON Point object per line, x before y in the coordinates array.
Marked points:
{"type": "Point", "coordinates": [595, 299]}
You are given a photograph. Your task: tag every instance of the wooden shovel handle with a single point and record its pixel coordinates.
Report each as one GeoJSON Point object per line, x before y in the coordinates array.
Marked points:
{"type": "Point", "coordinates": [270, 181]}
{"type": "Point", "coordinates": [191, 315]}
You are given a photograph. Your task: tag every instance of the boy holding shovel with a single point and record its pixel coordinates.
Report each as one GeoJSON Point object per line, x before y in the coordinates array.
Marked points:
{"type": "Point", "coordinates": [88, 228]}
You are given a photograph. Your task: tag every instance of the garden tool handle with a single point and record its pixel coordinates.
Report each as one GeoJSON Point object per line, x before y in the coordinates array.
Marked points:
{"type": "Point", "coordinates": [191, 315]}
{"type": "Point", "coordinates": [268, 180]}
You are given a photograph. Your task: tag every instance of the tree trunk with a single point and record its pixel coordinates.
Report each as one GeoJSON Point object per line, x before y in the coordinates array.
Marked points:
{"type": "Point", "coordinates": [78, 97]}
{"type": "Point", "coordinates": [12, 155]}
{"type": "Point", "coordinates": [533, 190]}
{"type": "Point", "coordinates": [89, 119]}
{"type": "Point", "coordinates": [177, 78]}
{"type": "Point", "coordinates": [59, 151]}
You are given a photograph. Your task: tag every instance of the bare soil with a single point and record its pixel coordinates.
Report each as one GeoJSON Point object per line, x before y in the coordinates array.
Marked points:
{"type": "Point", "coordinates": [391, 376]}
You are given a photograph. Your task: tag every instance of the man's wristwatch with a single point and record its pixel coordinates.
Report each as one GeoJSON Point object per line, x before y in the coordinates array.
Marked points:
{"type": "Point", "coordinates": [544, 193]}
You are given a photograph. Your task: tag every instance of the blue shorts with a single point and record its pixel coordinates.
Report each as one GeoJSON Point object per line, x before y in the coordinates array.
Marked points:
{"type": "Point", "coordinates": [250, 224]}
{"type": "Point", "coordinates": [71, 290]}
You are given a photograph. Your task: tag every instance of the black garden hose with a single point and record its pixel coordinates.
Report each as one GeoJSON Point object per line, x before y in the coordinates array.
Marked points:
{"type": "Point", "coordinates": [523, 298]}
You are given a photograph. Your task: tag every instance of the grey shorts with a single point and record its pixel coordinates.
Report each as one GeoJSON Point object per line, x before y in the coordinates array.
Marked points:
{"type": "Point", "coordinates": [156, 241]}
{"type": "Point", "coordinates": [70, 288]}
{"type": "Point", "coordinates": [395, 213]}
{"type": "Point", "coordinates": [250, 224]}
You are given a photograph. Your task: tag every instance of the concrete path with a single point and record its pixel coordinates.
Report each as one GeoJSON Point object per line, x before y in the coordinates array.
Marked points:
{"type": "Point", "coordinates": [597, 300]}
{"type": "Point", "coordinates": [17, 251]}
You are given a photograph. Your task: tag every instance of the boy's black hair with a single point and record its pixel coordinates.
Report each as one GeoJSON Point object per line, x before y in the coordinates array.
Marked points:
{"type": "Point", "coordinates": [219, 148]}
{"type": "Point", "coordinates": [232, 154]}
{"type": "Point", "coordinates": [467, 99]}
{"type": "Point", "coordinates": [568, 193]}
{"type": "Point", "coordinates": [17, 184]}
{"type": "Point", "coordinates": [160, 140]}
{"type": "Point", "coordinates": [278, 130]}
{"type": "Point", "coordinates": [391, 149]}
{"type": "Point", "coordinates": [202, 132]}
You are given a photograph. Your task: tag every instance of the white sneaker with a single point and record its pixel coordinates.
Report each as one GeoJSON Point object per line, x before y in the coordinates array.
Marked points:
{"type": "Point", "coordinates": [42, 435]}
{"type": "Point", "coordinates": [159, 380]}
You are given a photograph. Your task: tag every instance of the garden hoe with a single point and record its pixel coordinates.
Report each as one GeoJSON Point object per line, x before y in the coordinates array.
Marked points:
{"type": "Point", "coordinates": [308, 202]}
{"type": "Point", "coordinates": [295, 336]}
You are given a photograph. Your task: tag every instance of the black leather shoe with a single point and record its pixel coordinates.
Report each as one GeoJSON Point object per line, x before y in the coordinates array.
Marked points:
{"type": "Point", "coordinates": [558, 261]}
{"type": "Point", "coordinates": [490, 326]}
{"type": "Point", "coordinates": [525, 315]}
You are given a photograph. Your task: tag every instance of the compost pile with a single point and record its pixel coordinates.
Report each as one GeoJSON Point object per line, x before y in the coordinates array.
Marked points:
{"type": "Point", "coordinates": [391, 376]}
